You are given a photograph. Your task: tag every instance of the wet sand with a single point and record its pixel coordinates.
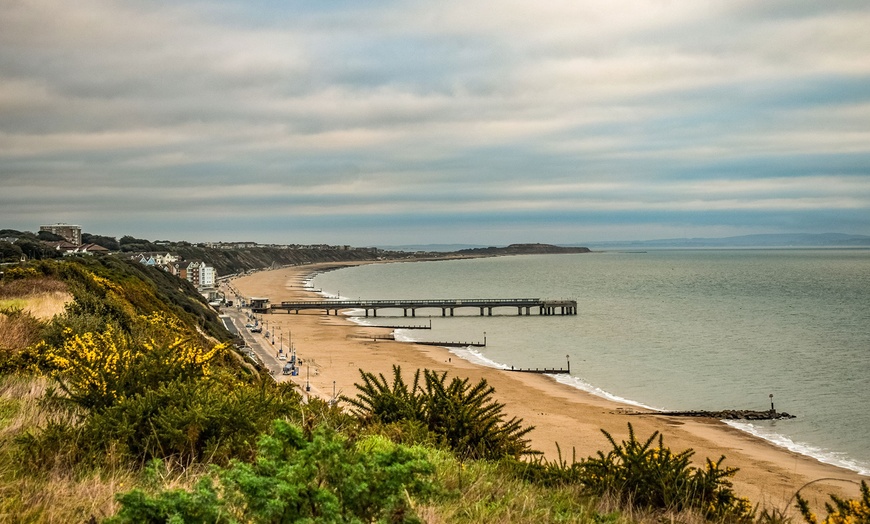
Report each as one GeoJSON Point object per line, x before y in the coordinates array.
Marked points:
{"type": "Point", "coordinates": [562, 415]}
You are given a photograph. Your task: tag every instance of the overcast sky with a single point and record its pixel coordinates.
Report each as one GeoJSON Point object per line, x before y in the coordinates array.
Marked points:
{"type": "Point", "coordinates": [486, 122]}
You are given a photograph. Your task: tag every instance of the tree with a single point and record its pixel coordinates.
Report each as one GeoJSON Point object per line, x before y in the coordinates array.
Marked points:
{"type": "Point", "coordinates": [10, 252]}
{"type": "Point", "coordinates": [35, 250]}
{"type": "Point", "coordinates": [128, 243]}
{"type": "Point", "coordinates": [110, 243]}
{"type": "Point", "coordinates": [47, 236]}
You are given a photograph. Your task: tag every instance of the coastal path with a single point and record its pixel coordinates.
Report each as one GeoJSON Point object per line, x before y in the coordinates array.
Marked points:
{"type": "Point", "coordinates": [524, 306]}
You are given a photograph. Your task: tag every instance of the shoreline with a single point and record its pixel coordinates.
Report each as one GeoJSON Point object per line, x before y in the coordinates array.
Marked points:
{"type": "Point", "coordinates": [561, 413]}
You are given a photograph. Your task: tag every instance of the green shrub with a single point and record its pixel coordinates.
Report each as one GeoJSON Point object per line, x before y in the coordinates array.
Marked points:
{"type": "Point", "coordinates": [461, 416]}
{"type": "Point", "coordinates": [378, 401]}
{"type": "Point", "coordinates": [641, 475]}
{"type": "Point", "coordinates": [320, 478]}
{"type": "Point", "coordinates": [842, 511]}
{"type": "Point", "coordinates": [193, 420]}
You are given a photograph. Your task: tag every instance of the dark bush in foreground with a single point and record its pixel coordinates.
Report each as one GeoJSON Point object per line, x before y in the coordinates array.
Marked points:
{"type": "Point", "coordinates": [321, 477]}
{"type": "Point", "coordinates": [461, 416]}
{"type": "Point", "coordinates": [842, 511]}
{"type": "Point", "coordinates": [646, 476]}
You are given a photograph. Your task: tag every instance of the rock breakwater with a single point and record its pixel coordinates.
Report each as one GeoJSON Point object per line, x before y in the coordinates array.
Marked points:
{"type": "Point", "coordinates": [728, 414]}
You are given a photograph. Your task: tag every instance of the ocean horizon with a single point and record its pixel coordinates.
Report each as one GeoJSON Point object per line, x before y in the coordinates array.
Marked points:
{"type": "Point", "coordinates": [708, 329]}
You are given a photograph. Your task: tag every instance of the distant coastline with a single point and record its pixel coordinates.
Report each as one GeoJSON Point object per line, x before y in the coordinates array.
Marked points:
{"type": "Point", "coordinates": [759, 241]}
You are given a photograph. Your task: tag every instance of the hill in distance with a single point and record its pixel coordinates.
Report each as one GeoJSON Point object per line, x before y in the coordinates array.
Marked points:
{"type": "Point", "coordinates": [746, 241]}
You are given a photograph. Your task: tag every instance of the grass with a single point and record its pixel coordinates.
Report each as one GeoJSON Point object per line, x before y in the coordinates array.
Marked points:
{"type": "Point", "coordinates": [58, 494]}
{"type": "Point", "coordinates": [23, 303]}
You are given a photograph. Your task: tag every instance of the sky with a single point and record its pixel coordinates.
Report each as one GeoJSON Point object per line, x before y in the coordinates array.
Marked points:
{"type": "Point", "coordinates": [408, 122]}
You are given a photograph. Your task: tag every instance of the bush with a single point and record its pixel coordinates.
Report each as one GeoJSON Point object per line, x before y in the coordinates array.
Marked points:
{"type": "Point", "coordinates": [461, 416]}
{"type": "Point", "coordinates": [211, 420]}
{"type": "Point", "coordinates": [643, 476]}
{"type": "Point", "coordinates": [841, 511]}
{"type": "Point", "coordinates": [320, 478]}
{"type": "Point", "coordinates": [98, 369]}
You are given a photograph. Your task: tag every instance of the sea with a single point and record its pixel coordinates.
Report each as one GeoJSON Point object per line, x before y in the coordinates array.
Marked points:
{"type": "Point", "coordinates": [666, 329]}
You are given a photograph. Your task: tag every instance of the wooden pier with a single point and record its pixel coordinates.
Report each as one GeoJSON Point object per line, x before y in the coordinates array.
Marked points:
{"type": "Point", "coordinates": [524, 306]}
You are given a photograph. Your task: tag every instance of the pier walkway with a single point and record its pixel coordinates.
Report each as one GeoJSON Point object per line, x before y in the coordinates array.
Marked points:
{"type": "Point", "coordinates": [524, 306]}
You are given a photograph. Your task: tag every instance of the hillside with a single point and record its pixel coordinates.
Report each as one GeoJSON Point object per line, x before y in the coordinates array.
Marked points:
{"type": "Point", "coordinates": [228, 261]}
{"type": "Point", "coordinates": [103, 289]}
{"type": "Point", "coordinates": [523, 249]}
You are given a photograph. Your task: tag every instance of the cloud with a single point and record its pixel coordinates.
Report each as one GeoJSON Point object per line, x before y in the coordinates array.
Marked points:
{"type": "Point", "coordinates": [397, 115]}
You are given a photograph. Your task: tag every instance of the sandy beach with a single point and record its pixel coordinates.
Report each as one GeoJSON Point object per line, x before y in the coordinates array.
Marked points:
{"type": "Point", "coordinates": [333, 349]}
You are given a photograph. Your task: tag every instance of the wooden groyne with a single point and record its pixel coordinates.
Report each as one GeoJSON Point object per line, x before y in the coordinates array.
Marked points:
{"type": "Point", "coordinates": [451, 344]}
{"type": "Point", "coordinates": [544, 371]}
{"type": "Point", "coordinates": [407, 327]}
{"type": "Point", "coordinates": [373, 337]}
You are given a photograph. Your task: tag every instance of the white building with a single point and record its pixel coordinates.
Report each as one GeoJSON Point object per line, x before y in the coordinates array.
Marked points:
{"type": "Point", "coordinates": [206, 276]}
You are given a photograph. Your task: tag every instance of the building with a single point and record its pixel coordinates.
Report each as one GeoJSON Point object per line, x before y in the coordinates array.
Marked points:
{"type": "Point", "coordinates": [72, 234]}
{"type": "Point", "coordinates": [189, 270]}
{"type": "Point", "coordinates": [206, 276]}
{"type": "Point", "coordinates": [197, 273]}
{"type": "Point", "coordinates": [68, 248]}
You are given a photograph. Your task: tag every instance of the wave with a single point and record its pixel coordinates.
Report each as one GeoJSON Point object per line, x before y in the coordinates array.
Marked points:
{"type": "Point", "coordinates": [476, 357]}
{"type": "Point", "coordinates": [579, 383]}
{"type": "Point", "coordinates": [822, 455]}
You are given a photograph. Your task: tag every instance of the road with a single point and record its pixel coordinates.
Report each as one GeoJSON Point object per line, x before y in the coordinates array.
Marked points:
{"type": "Point", "coordinates": [235, 319]}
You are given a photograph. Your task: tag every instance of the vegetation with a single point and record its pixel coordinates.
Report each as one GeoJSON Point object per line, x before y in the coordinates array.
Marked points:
{"type": "Point", "coordinates": [462, 417]}
{"type": "Point", "coordinates": [130, 405]}
{"type": "Point", "coordinates": [319, 477]}
{"type": "Point", "coordinates": [109, 243]}
{"type": "Point", "coordinates": [840, 511]}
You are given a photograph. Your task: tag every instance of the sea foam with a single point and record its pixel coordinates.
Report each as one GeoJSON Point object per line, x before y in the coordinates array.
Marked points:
{"type": "Point", "coordinates": [822, 455]}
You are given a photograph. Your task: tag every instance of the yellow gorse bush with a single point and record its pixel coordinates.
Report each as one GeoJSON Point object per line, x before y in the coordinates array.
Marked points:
{"type": "Point", "coordinates": [98, 368]}
{"type": "Point", "coordinates": [842, 511]}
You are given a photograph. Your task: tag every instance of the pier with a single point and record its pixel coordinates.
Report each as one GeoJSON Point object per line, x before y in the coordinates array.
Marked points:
{"type": "Point", "coordinates": [523, 306]}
